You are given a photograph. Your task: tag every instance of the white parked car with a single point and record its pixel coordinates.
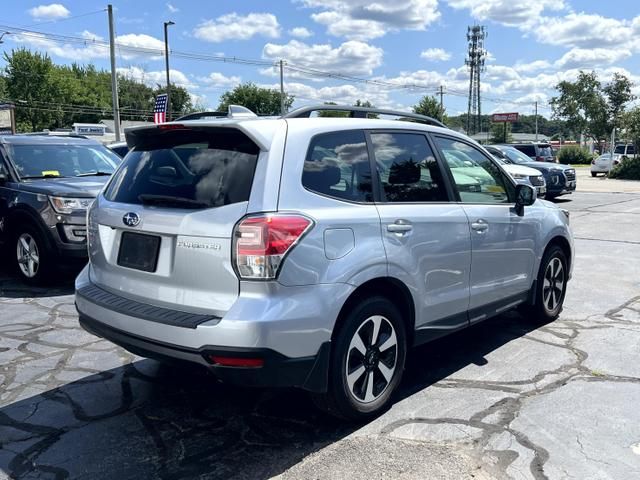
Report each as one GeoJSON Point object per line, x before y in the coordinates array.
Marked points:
{"type": "Point", "coordinates": [526, 175]}
{"type": "Point", "coordinates": [603, 164]}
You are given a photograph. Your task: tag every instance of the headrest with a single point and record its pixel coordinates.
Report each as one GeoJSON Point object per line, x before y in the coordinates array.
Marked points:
{"type": "Point", "coordinates": [321, 175]}
{"type": "Point", "coordinates": [405, 172]}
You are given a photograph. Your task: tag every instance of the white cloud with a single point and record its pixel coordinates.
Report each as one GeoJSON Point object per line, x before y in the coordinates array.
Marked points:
{"type": "Point", "coordinates": [94, 46]}
{"type": "Point", "coordinates": [217, 79]}
{"type": "Point", "coordinates": [350, 58]}
{"type": "Point", "coordinates": [435, 54]}
{"type": "Point", "coordinates": [583, 30]}
{"type": "Point", "coordinates": [532, 66]}
{"type": "Point", "coordinates": [346, 94]}
{"type": "Point", "coordinates": [157, 77]}
{"type": "Point", "coordinates": [236, 27]}
{"type": "Point", "coordinates": [364, 20]}
{"type": "Point", "coordinates": [53, 11]}
{"type": "Point", "coordinates": [300, 32]}
{"type": "Point", "coordinates": [172, 9]}
{"type": "Point", "coordinates": [142, 41]}
{"type": "Point", "coordinates": [591, 57]}
{"type": "Point", "coordinates": [508, 12]}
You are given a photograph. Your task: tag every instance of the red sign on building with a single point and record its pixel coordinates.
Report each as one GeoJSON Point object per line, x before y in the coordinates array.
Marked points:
{"type": "Point", "coordinates": [504, 117]}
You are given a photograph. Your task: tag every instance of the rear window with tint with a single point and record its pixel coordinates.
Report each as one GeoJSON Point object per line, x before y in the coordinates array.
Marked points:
{"type": "Point", "coordinates": [545, 151]}
{"type": "Point", "coordinates": [529, 150]}
{"type": "Point", "coordinates": [337, 165]}
{"type": "Point", "coordinates": [187, 169]}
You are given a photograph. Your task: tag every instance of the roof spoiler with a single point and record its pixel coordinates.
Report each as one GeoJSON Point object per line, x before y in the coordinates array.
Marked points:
{"type": "Point", "coordinates": [233, 111]}
{"type": "Point", "coordinates": [363, 112]}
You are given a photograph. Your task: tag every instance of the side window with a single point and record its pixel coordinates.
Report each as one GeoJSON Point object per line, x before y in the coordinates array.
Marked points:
{"type": "Point", "coordinates": [407, 168]}
{"type": "Point", "coordinates": [337, 165]}
{"type": "Point", "coordinates": [477, 178]}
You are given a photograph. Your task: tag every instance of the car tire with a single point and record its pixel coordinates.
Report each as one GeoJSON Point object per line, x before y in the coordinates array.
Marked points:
{"type": "Point", "coordinates": [550, 287]}
{"type": "Point", "coordinates": [31, 257]}
{"type": "Point", "coordinates": [594, 174]}
{"type": "Point", "coordinates": [363, 374]}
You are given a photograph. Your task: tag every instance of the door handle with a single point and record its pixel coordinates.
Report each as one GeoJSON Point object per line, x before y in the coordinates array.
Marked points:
{"type": "Point", "coordinates": [480, 226]}
{"type": "Point", "coordinates": [400, 226]}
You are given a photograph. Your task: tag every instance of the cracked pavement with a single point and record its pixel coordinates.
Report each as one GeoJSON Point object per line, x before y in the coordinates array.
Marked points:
{"type": "Point", "coordinates": [505, 399]}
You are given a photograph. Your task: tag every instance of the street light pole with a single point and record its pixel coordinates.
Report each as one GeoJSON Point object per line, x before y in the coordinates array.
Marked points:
{"type": "Point", "coordinates": [166, 61]}
{"type": "Point", "coordinates": [2, 36]}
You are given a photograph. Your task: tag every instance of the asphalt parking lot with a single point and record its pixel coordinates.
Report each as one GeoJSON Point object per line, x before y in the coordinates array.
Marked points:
{"type": "Point", "coordinates": [505, 399]}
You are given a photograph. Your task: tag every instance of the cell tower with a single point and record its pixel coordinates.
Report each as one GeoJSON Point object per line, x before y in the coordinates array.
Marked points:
{"type": "Point", "coordinates": [475, 61]}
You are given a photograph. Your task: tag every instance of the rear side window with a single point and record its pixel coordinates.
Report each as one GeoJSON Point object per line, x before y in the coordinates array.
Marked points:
{"type": "Point", "coordinates": [407, 168]}
{"type": "Point", "coordinates": [337, 165]}
{"type": "Point", "coordinates": [194, 169]}
{"type": "Point", "coordinates": [529, 150]}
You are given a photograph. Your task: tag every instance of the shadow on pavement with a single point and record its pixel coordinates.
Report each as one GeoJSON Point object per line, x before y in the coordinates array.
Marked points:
{"type": "Point", "coordinates": [148, 420]}
{"type": "Point", "coordinates": [11, 285]}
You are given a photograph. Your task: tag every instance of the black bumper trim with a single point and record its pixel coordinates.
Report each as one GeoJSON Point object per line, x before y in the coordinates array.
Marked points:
{"type": "Point", "coordinates": [118, 304]}
{"type": "Point", "coordinates": [309, 373]}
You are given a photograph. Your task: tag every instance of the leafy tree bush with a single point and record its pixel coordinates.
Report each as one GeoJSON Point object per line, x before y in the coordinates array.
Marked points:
{"type": "Point", "coordinates": [574, 155]}
{"type": "Point", "coordinates": [262, 101]}
{"type": "Point", "coordinates": [628, 169]}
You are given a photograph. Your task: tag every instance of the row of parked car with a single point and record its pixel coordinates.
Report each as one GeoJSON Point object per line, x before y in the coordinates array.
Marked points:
{"type": "Point", "coordinates": [291, 252]}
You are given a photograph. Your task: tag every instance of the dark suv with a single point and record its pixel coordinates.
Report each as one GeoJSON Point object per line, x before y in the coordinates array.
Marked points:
{"type": "Point", "coordinates": [46, 185]}
{"type": "Point", "coordinates": [538, 151]}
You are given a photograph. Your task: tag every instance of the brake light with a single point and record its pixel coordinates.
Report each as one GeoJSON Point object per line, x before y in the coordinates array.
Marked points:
{"type": "Point", "coordinates": [539, 159]}
{"type": "Point", "coordinates": [262, 242]}
{"type": "Point", "coordinates": [171, 126]}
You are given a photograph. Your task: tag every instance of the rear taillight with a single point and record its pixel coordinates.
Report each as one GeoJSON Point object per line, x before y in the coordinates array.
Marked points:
{"type": "Point", "coordinates": [260, 243]}
{"type": "Point", "coordinates": [539, 159]}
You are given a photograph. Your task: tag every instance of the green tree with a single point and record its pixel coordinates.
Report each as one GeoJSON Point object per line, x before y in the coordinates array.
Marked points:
{"type": "Point", "coordinates": [30, 84]}
{"type": "Point", "coordinates": [590, 108]}
{"type": "Point", "coordinates": [631, 127]}
{"type": "Point", "coordinates": [262, 101]}
{"type": "Point", "coordinates": [429, 106]}
{"type": "Point", "coordinates": [501, 132]}
{"type": "Point", "coordinates": [136, 99]}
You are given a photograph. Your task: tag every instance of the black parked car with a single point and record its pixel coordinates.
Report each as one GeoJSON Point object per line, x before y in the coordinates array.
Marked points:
{"type": "Point", "coordinates": [46, 185]}
{"type": "Point", "coordinates": [561, 179]}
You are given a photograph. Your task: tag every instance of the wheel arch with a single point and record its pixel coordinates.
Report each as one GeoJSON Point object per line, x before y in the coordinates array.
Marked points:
{"type": "Point", "coordinates": [20, 215]}
{"type": "Point", "coordinates": [392, 289]}
{"type": "Point", "coordinates": [564, 244]}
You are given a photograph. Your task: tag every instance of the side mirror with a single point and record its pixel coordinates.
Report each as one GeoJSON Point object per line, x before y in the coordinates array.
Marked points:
{"type": "Point", "coordinates": [525, 196]}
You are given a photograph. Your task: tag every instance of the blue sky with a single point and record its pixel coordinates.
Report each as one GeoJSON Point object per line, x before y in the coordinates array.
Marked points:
{"type": "Point", "coordinates": [531, 45]}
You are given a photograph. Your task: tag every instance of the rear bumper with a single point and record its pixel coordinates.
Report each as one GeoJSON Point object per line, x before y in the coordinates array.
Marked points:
{"type": "Point", "coordinates": [309, 373]}
{"type": "Point", "coordinates": [287, 327]}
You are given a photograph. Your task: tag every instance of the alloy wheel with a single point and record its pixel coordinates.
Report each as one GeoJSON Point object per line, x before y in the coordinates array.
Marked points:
{"type": "Point", "coordinates": [371, 359]}
{"type": "Point", "coordinates": [28, 255]}
{"type": "Point", "coordinates": [553, 285]}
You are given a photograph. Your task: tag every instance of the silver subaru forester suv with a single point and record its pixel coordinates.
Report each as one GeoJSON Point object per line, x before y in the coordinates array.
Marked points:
{"type": "Point", "coordinates": [312, 252]}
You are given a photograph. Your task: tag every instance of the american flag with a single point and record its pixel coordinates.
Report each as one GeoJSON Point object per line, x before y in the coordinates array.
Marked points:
{"type": "Point", "coordinates": [160, 110]}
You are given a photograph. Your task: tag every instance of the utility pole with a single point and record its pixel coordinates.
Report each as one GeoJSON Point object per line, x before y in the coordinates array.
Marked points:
{"type": "Point", "coordinates": [114, 75]}
{"type": "Point", "coordinates": [166, 62]}
{"type": "Point", "coordinates": [536, 120]}
{"type": "Point", "coordinates": [475, 61]}
{"type": "Point", "coordinates": [282, 105]}
{"type": "Point", "coordinates": [441, 93]}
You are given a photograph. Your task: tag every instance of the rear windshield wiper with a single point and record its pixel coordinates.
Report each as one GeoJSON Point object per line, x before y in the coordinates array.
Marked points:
{"type": "Point", "coordinates": [167, 200]}
{"type": "Point", "coordinates": [99, 173]}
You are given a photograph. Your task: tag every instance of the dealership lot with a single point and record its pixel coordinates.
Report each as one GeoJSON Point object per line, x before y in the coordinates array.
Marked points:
{"type": "Point", "coordinates": [505, 399]}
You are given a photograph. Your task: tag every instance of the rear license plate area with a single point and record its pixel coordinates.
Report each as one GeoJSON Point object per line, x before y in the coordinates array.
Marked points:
{"type": "Point", "coordinates": [139, 251]}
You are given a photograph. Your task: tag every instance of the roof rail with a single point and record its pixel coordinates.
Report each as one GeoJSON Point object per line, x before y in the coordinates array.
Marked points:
{"type": "Point", "coordinates": [361, 112]}
{"type": "Point", "coordinates": [233, 111]}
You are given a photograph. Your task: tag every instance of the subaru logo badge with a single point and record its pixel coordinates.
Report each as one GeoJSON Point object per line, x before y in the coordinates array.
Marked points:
{"type": "Point", "coordinates": [131, 219]}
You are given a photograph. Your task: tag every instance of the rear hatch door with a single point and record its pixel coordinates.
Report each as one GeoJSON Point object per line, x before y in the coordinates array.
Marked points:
{"type": "Point", "coordinates": [162, 231]}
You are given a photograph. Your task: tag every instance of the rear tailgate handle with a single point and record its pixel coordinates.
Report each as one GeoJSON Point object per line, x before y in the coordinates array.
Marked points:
{"type": "Point", "coordinates": [400, 226]}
